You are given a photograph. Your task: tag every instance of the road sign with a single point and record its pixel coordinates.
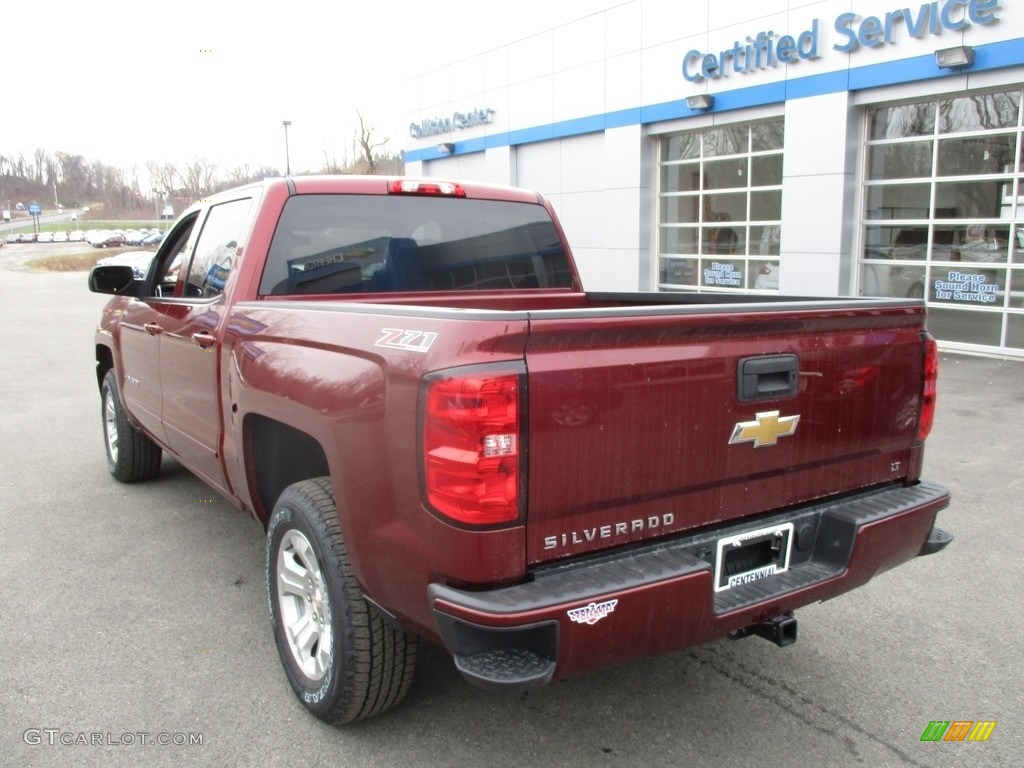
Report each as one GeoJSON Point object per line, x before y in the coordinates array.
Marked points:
{"type": "Point", "coordinates": [34, 209]}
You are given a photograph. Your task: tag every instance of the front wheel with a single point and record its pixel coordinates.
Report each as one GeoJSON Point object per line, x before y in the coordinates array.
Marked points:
{"type": "Point", "coordinates": [131, 455]}
{"type": "Point", "coordinates": [342, 659]}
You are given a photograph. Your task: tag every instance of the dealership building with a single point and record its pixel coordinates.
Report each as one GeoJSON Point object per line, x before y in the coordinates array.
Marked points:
{"type": "Point", "coordinates": [769, 147]}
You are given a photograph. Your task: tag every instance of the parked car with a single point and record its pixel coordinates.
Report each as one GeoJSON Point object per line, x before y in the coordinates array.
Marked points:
{"type": "Point", "coordinates": [77, 236]}
{"type": "Point", "coordinates": [27, 237]}
{"type": "Point", "coordinates": [12, 238]}
{"type": "Point", "coordinates": [110, 240]}
{"type": "Point", "coordinates": [60, 237]}
{"type": "Point", "coordinates": [154, 239]}
{"type": "Point", "coordinates": [44, 237]}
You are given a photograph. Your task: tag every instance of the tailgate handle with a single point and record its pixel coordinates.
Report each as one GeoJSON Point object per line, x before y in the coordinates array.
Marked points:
{"type": "Point", "coordinates": [767, 378]}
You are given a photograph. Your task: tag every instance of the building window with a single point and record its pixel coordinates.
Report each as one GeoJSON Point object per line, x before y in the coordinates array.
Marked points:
{"type": "Point", "coordinates": [720, 208]}
{"type": "Point", "coordinates": [943, 215]}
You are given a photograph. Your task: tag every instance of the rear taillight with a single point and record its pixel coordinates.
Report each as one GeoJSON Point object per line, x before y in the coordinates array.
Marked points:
{"type": "Point", "coordinates": [929, 387]}
{"type": "Point", "coordinates": [423, 187]}
{"type": "Point", "coordinates": [473, 445]}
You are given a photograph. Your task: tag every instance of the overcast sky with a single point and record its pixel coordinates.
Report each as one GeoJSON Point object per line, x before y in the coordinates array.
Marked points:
{"type": "Point", "coordinates": [126, 81]}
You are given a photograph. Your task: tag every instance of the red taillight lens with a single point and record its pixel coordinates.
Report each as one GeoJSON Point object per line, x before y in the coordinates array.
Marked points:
{"type": "Point", "coordinates": [418, 187]}
{"type": "Point", "coordinates": [929, 387]}
{"type": "Point", "coordinates": [472, 447]}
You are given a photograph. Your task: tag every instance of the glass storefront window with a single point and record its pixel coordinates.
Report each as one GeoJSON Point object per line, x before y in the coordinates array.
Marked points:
{"type": "Point", "coordinates": [979, 112]}
{"type": "Point", "coordinates": [907, 160]}
{"type": "Point", "coordinates": [968, 199]}
{"type": "Point", "coordinates": [980, 154]}
{"type": "Point", "coordinates": [720, 208]}
{"type": "Point", "coordinates": [898, 201]}
{"type": "Point", "coordinates": [765, 170]}
{"type": "Point", "coordinates": [725, 174]}
{"type": "Point", "coordinates": [1015, 331]}
{"type": "Point", "coordinates": [682, 147]}
{"type": "Point", "coordinates": [901, 122]}
{"type": "Point", "coordinates": [767, 136]}
{"type": "Point", "coordinates": [950, 236]}
{"type": "Point", "coordinates": [732, 140]}
{"type": "Point", "coordinates": [680, 178]}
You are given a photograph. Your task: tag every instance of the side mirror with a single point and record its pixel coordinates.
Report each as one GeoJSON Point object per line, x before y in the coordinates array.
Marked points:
{"type": "Point", "coordinates": [115, 279]}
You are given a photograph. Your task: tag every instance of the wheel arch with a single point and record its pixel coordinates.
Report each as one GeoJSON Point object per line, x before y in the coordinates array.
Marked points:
{"type": "Point", "coordinates": [276, 456]}
{"type": "Point", "coordinates": [104, 362]}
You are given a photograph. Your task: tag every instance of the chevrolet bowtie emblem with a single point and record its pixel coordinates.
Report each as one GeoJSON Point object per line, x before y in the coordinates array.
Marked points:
{"type": "Point", "coordinates": [767, 430]}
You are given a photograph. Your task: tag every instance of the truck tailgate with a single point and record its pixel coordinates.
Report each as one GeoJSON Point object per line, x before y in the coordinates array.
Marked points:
{"type": "Point", "coordinates": [644, 424]}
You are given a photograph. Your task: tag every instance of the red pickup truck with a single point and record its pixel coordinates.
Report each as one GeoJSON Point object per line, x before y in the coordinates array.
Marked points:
{"type": "Point", "coordinates": [447, 438]}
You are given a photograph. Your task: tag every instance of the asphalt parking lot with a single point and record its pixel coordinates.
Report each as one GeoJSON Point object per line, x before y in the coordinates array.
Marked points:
{"type": "Point", "coordinates": [136, 614]}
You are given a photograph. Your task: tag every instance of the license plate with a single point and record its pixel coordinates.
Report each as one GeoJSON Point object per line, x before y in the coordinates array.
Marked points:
{"type": "Point", "coordinates": [752, 556]}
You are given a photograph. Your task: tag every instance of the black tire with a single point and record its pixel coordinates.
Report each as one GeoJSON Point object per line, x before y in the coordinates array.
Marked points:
{"type": "Point", "coordinates": [342, 659]}
{"type": "Point", "coordinates": [131, 456]}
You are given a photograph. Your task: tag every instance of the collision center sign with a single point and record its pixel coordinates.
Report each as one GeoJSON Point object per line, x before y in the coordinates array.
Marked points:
{"type": "Point", "coordinates": [434, 126]}
{"type": "Point", "coordinates": [765, 48]}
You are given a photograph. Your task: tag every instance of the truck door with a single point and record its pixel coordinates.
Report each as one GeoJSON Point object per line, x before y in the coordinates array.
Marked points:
{"type": "Point", "coordinates": [190, 343]}
{"type": "Point", "coordinates": [141, 327]}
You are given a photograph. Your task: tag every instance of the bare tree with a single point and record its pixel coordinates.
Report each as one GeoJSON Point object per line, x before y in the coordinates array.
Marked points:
{"type": "Point", "coordinates": [239, 175]}
{"type": "Point", "coordinates": [73, 175]}
{"type": "Point", "coordinates": [163, 177]}
{"type": "Point", "coordinates": [367, 144]}
{"type": "Point", "coordinates": [199, 176]}
{"type": "Point", "coordinates": [40, 167]}
{"type": "Point", "coordinates": [331, 164]}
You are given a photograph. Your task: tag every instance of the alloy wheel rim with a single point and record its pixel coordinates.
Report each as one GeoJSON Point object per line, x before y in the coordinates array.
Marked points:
{"type": "Point", "coordinates": [305, 609]}
{"type": "Point", "coordinates": [110, 422]}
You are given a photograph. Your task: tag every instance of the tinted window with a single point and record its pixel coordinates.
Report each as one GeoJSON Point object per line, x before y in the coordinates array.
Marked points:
{"type": "Point", "coordinates": [166, 270]}
{"type": "Point", "coordinates": [370, 243]}
{"type": "Point", "coordinates": [215, 249]}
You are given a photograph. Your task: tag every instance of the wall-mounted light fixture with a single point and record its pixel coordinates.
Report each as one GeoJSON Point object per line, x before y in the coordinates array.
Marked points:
{"type": "Point", "coordinates": [446, 148]}
{"type": "Point", "coordinates": [700, 101]}
{"type": "Point", "coordinates": [951, 58]}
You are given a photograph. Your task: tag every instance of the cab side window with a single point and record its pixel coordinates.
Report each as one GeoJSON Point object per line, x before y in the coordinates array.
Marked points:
{"type": "Point", "coordinates": [172, 255]}
{"type": "Point", "coordinates": [215, 249]}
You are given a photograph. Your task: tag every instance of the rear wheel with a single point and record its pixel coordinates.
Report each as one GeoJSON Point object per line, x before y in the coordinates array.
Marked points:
{"type": "Point", "coordinates": [131, 455]}
{"type": "Point", "coordinates": [342, 659]}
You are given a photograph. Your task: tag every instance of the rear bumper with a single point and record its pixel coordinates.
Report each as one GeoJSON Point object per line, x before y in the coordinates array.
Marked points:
{"type": "Point", "coordinates": [603, 610]}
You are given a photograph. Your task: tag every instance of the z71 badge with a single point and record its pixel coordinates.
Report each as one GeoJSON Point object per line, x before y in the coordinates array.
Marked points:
{"type": "Point", "coordinates": [410, 341]}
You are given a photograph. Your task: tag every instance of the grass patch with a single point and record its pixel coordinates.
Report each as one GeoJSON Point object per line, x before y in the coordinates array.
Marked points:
{"type": "Point", "coordinates": [73, 262]}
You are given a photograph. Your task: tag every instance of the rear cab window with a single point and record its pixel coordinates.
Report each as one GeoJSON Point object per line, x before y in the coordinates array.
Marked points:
{"type": "Point", "coordinates": [327, 244]}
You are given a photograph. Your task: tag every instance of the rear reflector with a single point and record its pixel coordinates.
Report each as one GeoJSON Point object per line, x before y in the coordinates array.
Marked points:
{"type": "Point", "coordinates": [415, 187]}
{"type": "Point", "coordinates": [929, 388]}
{"type": "Point", "coordinates": [472, 446]}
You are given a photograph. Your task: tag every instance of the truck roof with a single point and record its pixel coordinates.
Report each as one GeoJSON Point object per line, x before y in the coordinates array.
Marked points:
{"type": "Point", "coordinates": [381, 185]}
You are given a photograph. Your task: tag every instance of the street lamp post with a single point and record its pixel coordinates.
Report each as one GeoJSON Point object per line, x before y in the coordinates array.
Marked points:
{"type": "Point", "coordinates": [287, 159]}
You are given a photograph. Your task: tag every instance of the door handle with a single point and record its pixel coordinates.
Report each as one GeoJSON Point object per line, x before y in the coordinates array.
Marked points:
{"type": "Point", "coordinates": [203, 339]}
{"type": "Point", "coordinates": [153, 329]}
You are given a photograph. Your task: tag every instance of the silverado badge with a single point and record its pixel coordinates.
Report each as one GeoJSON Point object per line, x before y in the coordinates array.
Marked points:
{"type": "Point", "coordinates": [766, 430]}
